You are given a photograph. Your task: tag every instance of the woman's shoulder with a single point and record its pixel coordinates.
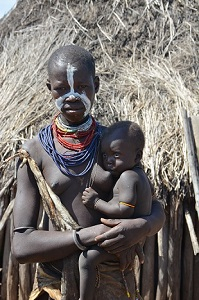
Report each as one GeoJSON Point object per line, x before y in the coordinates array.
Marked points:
{"type": "Point", "coordinates": [34, 148]}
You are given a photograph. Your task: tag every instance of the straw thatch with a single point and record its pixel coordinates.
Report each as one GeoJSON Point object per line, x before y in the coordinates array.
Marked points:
{"type": "Point", "coordinates": [147, 59]}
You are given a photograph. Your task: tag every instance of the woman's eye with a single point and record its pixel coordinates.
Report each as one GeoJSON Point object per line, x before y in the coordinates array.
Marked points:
{"type": "Point", "coordinates": [82, 86]}
{"type": "Point", "coordinates": [60, 89]}
{"type": "Point", "coordinates": [104, 155]}
{"type": "Point", "coordinates": [116, 155]}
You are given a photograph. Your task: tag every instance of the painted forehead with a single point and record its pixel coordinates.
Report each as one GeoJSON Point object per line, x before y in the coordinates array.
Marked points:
{"type": "Point", "coordinates": [70, 69]}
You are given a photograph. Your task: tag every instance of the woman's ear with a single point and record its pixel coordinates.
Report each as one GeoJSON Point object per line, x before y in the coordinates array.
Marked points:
{"type": "Point", "coordinates": [96, 83]}
{"type": "Point", "coordinates": [48, 84]}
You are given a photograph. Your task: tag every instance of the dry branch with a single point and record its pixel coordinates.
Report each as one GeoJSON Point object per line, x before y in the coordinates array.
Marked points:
{"type": "Point", "coordinates": [7, 185]}
{"type": "Point", "coordinates": [6, 214]}
{"type": "Point", "coordinates": [192, 233]}
{"type": "Point", "coordinates": [192, 159]}
{"type": "Point", "coordinates": [57, 213]}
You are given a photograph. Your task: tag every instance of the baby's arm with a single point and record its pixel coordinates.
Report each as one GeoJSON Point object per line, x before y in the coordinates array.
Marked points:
{"type": "Point", "coordinates": [124, 199]}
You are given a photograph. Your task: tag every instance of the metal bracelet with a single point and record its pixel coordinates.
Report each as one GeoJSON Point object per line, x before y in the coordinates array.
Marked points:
{"type": "Point", "coordinates": [77, 243]}
{"type": "Point", "coordinates": [22, 229]}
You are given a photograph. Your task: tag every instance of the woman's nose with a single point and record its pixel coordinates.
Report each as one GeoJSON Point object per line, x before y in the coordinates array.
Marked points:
{"type": "Point", "coordinates": [71, 98]}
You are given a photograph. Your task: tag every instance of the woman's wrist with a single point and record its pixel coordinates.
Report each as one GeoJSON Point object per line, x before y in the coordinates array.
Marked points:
{"type": "Point", "coordinates": [77, 241]}
{"type": "Point", "coordinates": [87, 235]}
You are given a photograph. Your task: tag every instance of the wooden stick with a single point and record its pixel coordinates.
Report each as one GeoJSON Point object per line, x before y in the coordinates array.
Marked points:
{"type": "Point", "coordinates": [163, 238]}
{"type": "Point", "coordinates": [191, 157]}
{"type": "Point", "coordinates": [196, 268]}
{"type": "Point", "coordinates": [8, 184]}
{"type": "Point", "coordinates": [6, 254]}
{"type": "Point", "coordinates": [57, 213]}
{"type": "Point", "coordinates": [12, 279]}
{"type": "Point", "coordinates": [193, 236]}
{"type": "Point", "coordinates": [195, 126]}
{"type": "Point", "coordinates": [175, 245]}
{"type": "Point", "coordinates": [6, 214]}
{"type": "Point", "coordinates": [60, 217]}
{"type": "Point", "coordinates": [24, 281]}
{"type": "Point", "coordinates": [147, 289]}
{"type": "Point", "coordinates": [187, 265]}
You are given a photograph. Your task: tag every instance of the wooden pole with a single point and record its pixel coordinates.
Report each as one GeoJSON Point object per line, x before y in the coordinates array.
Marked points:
{"type": "Point", "coordinates": [195, 126]}
{"type": "Point", "coordinates": [148, 270]}
{"type": "Point", "coordinates": [6, 214]}
{"type": "Point", "coordinates": [175, 245]}
{"type": "Point", "coordinates": [161, 293]}
{"type": "Point", "coordinates": [192, 233]}
{"type": "Point", "coordinates": [7, 185]}
{"type": "Point", "coordinates": [187, 266]}
{"type": "Point", "coordinates": [192, 159]}
{"type": "Point", "coordinates": [196, 266]}
{"type": "Point", "coordinates": [24, 281]}
{"type": "Point", "coordinates": [12, 279]}
{"type": "Point", "coordinates": [6, 255]}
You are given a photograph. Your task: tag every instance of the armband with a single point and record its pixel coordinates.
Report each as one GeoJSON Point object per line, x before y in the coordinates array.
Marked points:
{"type": "Point", "coordinates": [127, 204]}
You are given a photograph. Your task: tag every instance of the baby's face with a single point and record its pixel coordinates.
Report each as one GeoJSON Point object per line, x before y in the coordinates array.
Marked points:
{"type": "Point", "coordinates": [118, 153]}
{"type": "Point", "coordinates": [73, 89]}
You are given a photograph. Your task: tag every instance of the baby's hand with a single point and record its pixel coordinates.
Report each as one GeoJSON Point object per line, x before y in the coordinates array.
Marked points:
{"type": "Point", "coordinates": [90, 197]}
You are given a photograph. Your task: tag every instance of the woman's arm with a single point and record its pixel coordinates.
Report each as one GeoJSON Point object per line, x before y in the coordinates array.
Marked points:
{"type": "Point", "coordinates": [128, 232]}
{"type": "Point", "coordinates": [32, 245]}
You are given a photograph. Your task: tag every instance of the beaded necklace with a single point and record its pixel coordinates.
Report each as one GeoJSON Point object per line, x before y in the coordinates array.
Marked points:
{"type": "Point", "coordinates": [66, 161]}
{"type": "Point", "coordinates": [87, 130]}
{"type": "Point", "coordinates": [72, 128]}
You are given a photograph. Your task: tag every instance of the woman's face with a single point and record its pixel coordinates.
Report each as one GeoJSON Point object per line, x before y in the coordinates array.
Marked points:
{"type": "Point", "coordinates": [73, 87]}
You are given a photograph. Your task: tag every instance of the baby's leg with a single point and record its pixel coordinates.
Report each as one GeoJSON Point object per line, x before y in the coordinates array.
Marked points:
{"type": "Point", "coordinates": [88, 261]}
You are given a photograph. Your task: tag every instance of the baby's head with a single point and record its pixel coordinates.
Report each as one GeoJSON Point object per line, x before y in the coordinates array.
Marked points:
{"type": "Point", "coordinates": [72, 81]}
{"type": "Point", "coordinates": [122, 146]}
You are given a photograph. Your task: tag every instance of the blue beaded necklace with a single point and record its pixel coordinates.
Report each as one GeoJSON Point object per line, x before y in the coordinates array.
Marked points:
{"type": "Point", "coordinates": [66, 161]}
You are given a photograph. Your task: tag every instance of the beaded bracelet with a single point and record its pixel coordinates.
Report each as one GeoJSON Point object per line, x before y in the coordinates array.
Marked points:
{"type": "Point", "coordinates": [77, 243]}
{"type": "Point", "coordinates": [95, 203]}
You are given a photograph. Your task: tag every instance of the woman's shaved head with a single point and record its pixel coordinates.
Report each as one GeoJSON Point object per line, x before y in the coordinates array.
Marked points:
{"type": "Point", "coordinates": [73, 54]}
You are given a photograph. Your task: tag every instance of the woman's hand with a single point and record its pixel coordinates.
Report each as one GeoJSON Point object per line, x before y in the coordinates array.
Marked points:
{"type": "Point", "coordinates": [124, 234]}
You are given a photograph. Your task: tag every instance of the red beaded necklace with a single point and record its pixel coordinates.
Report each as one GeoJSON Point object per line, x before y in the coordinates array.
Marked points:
{"type": "Point", "coordinates": [61, 135]}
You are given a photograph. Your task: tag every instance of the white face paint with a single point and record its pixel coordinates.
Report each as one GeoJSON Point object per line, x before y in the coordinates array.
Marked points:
{"type": "Point", "coordinates": [72, 94]}
{"type": "Point", "coordinates": [70, 77]}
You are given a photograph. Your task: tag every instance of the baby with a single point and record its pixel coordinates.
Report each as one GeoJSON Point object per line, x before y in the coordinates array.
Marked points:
{"type": "Point", "coordinates": [122, 148]}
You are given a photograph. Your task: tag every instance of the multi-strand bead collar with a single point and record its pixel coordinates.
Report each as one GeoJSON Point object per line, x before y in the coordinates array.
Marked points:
{"type": "Point", "coordinates": [83, 152]}
{"type": "Point", "coordinates": [86, 130]}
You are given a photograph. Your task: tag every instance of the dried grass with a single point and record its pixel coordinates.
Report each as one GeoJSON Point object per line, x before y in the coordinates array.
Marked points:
{"type": "Point", "coordinates": [146, 58]}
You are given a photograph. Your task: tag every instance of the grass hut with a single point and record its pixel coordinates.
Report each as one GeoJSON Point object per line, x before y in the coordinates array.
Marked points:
{"type": "Point", "coordinates": [147, 59]}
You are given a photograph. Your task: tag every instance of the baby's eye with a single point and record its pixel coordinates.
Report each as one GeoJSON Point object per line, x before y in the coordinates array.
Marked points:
{"type": "Point", "coordinates": [116, 155]}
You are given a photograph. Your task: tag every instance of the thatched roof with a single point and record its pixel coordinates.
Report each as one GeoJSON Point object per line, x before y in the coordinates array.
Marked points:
{"type": "Point", "coordinates": [147, 58]}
